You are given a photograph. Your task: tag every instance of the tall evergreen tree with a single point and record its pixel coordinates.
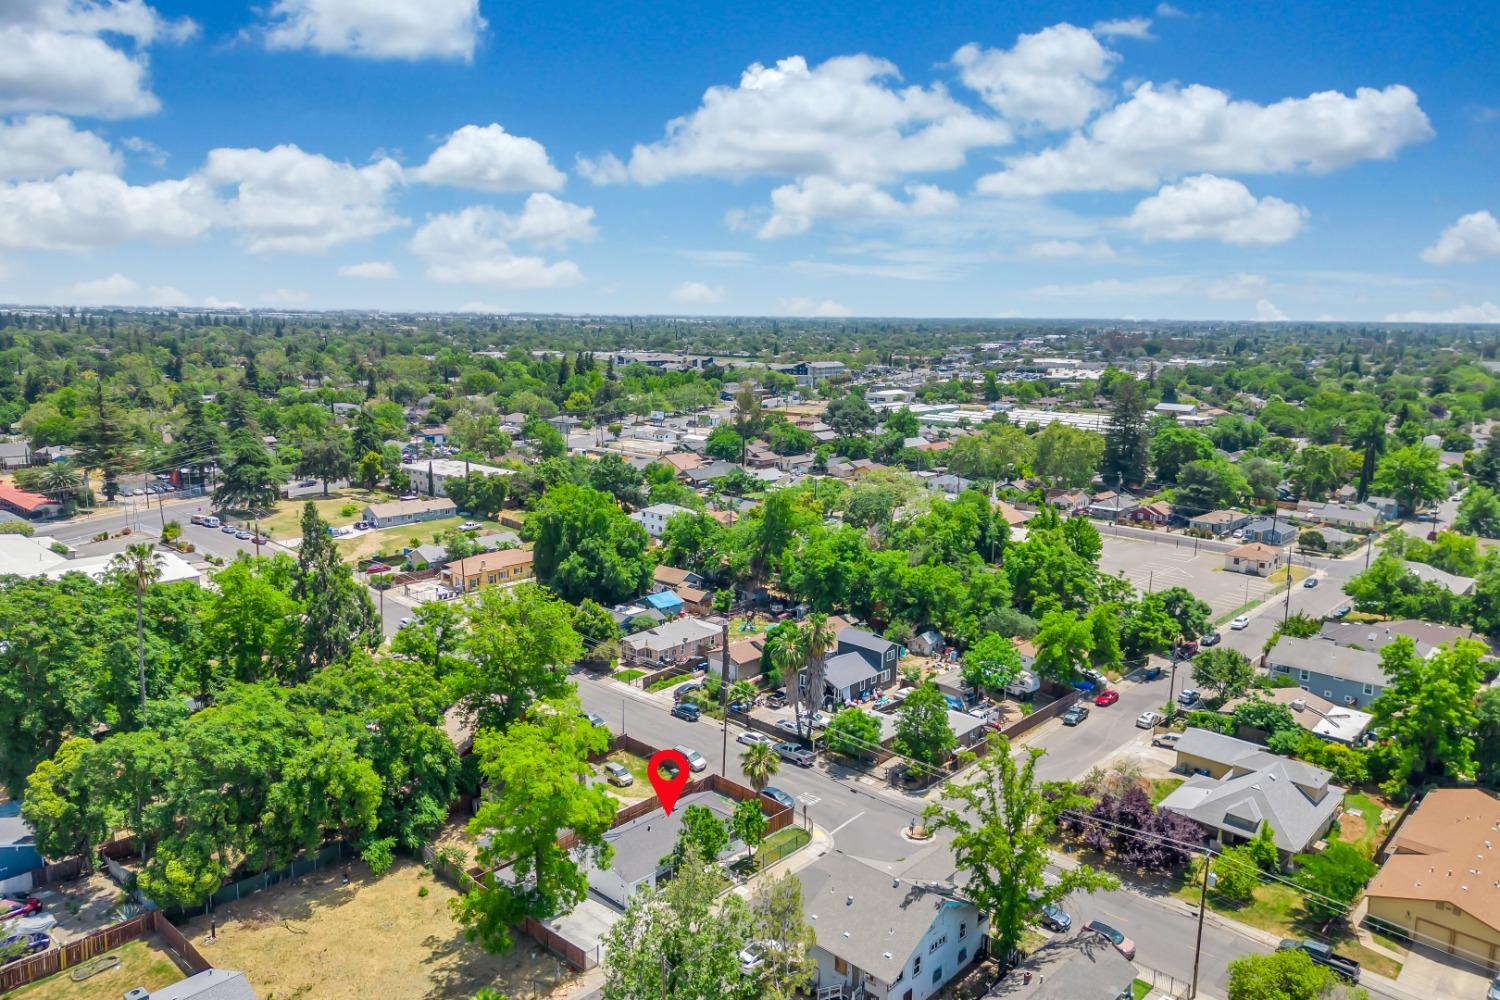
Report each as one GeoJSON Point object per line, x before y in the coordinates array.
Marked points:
{"type": "Point", "coordinates": [104, 441]}
{"type": "Point", "coordinates": [1126, 442]}
{"type": "Point", "coordinates": [338, 615]}
{"type": "Point", "coordinates": [249, 480]}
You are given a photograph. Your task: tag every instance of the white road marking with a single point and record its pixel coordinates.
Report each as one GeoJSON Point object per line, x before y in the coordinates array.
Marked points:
{"type": "Point", "coordinates": [845, 823]}
{"type": "Point", "coordinates": [809, 799]}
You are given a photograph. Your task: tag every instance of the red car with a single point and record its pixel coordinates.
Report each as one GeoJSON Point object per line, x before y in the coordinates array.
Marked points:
{"type": "Point", "coordinates": [14, 909]}
{"type": "Point", "coordinates": [1107, 698]}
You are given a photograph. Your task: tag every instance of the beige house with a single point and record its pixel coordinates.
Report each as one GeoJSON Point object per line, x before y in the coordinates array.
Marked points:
{"type": "Point", "coordinates": [1441, 882]}
{"type": "Point", "coordinates": [397, 512]}
{"type": "Point", "coordinates": [504, 568]}
{"type": "Point", "coordinates": [1255, 559]}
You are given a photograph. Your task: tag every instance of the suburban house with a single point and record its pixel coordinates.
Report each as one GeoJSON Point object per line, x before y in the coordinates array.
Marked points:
{"type": "Point", "coordinates": [705, 474]}
{"type": "Point", "coordinates": [1386, 507]}
{"type": "Point", "coordinates": [682, 461]}
{"type": "Point", "coordinates": [927, 934]}
{"type": "Point", "coordinates": [654, 518]}
{"type": "Point", "coordinates": [928, 643]}
{"type": "Point", "coordinates": [1352, 516]}
{"type": "Point", "coordinates": [1219, 522]}
{"type": "Point", "coordinates": [431, 475]}
{"type": "Point", "coordinates": [1319, 716]}
{"type": "Point", "coordinates": [1247, 787]}
{"type": "Point", "coordinates": [670, 578]}
{"type": "Point", "coordinates": [879, 652]}
{"type": "Point", "coordinates": [398, 512]}
{"type": "Point", "coordinates": [744, 660]}
{"type": "Point", "coordinates": [1111, 506]}
{"type": "Point", "coordinates": [1375, 636]}
{"type": "Point", "coordinates": [1068, 501]}
{"type": "Point", "coordinates": [1342, 674]}
{"type": "Point", "coordinates": [665, 601]}
{"type": "Point", "coordinates": [1460, 586]}
{"type": "Point", "coordinates": [676, 640]}
{"type": "Point", "coordinates": [1440, 884]}
{"type": "Point", "coordinates": [949, 483]}
{"type": "Point", "coordinates": [18, 853]}
{"type": "Point", "coordinates": [1271, 531]}
{"type": "Point", "coordinates": [428, 556]}
{"type": "Point", "coordinates": [504, 568]}
{"type": "Point", "coordinates": [1253, 558]}
{"type": "Point", "coordinates": [1335, 540]}
{"type": "Point", "coordinates": [1158, 513]}
{"type": "Point", "coordinates": [1080, 967]}
{"type": "Point", "coordinates": [641, 844]}
{"type": "Point", "coordinates": [26, 504]}
{"type": "Point", "coordinates": [847, 677]}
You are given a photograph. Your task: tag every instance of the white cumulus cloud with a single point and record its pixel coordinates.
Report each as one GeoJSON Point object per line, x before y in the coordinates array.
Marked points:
{"type": "Point", "coordinates": [1069, 249]}
{"type": "Point", "coordinates": [119, 290]}
{"type": "Point", "coordinates": [1266, 311]}
{"type": "Point", "coordinates": [1051, 78]}
{"type": "Point", "coordinates": [697, 293]}
{"type": "Point", "coordinates": [1206, 207]}
{"type": "Point", "coordinates": [289, 201]}
{"type": "Point", "coordinates": [488, 158]}
{"type": "Point", "coordinates": [40, 146]}
{"type": "Point", "coordinates": [1484, 312]}
{"type": "Point", "coordinates": [1167, 131]}
{"type": "Point", "coordinates": [372, 270]}
{"type": "Point", "coordinates": [472, 246]}
{"type": "Point", "coordinates": [1124, 27]}
{"type": "Point", "coordinates": [1473, 237]}
{"type": "Point", "coordinates": [845, 118]}
{"type": "Point", "coordinates": [378, 29]}
{"type": "Point", "coordinates": [794, 207]}
{"type": "Point", "coordinates": [81, 57]}
{"type": "Point", "coordinates": [89, 209]}
{"type": "Point", "coordinates": [799, 306]}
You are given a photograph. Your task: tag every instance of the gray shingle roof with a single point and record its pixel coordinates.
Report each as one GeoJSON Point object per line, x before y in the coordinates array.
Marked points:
{"type": "Point", "coordinates": [212, 984]}
{"type": "Point", "coordinates": [1319, 656]}
{"type": "Point", "coordinates": [846, 670]}
{"type": "Point", "coordinates": [1272, 793]}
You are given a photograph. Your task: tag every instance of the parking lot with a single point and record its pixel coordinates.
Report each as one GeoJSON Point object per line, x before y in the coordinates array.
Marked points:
{"type": "Point", "coordinates": [1153, 566]}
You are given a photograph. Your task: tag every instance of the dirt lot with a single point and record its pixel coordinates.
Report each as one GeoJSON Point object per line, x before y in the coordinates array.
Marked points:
{"type": "Point", "coordinates": [375, 937]}
{"type": "Point", "coordinates": [142, 963]}
{"type": "Point", "coordinates": [82, 906]}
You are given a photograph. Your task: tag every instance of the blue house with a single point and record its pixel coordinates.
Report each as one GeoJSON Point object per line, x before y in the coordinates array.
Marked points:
{"type": "Point", "coordinates": [18, 853]}
{"type": "Point", "coordinates": [666, 602]}
{"type": "Point", "coordinates": [1276, 531]}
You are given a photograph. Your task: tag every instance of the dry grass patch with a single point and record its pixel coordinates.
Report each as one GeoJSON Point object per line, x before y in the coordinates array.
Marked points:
{"type": "Point", "coordinates": [374, 937]}
{"type": "Point", "coordinates": [142, 963]}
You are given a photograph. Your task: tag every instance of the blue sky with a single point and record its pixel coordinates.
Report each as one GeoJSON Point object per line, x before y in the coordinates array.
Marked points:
{"type": "Point", "coordinates": [1191, 161]}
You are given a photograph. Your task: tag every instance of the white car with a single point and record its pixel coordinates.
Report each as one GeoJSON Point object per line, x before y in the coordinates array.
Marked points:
{"type": "Point", "coordinates": [694, 758]}
{"type": "Point", "coordinates": [752, 957]}
{"type": "Point", "coordinates": [470, 526]}
{"type": "Point", "coordinates": [1148, 720]}
{"type": "Point", "coordinates": [1241, 623]}
{"type": "Point", "coordinates": [751, 738]}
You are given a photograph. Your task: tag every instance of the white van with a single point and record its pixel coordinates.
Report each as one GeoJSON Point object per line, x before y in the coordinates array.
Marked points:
{"type": "Point", "coordinates": [210, 522]}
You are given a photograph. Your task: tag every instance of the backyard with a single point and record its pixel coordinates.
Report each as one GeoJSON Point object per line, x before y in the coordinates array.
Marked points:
{"type": "Point", "coordinates": [141, 963]}
{"type": "Point", "coordinates": [320, 937]}
{"type": "Point", "coordinates": [636, 765]}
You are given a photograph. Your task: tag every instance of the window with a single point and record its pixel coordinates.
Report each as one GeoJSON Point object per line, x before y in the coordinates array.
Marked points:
{"type": "Point", "coordinates": [963, 955]}
{"type": "Point", "coordinates": [937, 974]}
{"type": "Point", "coordinates": [963, 929]}
{"type": "Point", "coordinates": [1302, 674]}
{"type": "Point", "coordinates": [916, 966]}
{"type": "Point", "coordinates": [937, 943]}
{"type": "Point", "coordinates": [1327, 693]}
{"type": "Point", "coordinates": [1369, 689]}
{"type": "Point", "coordinates": [840, 966]}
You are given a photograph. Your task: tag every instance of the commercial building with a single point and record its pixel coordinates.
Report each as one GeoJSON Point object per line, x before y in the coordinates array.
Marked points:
{"type": "Point", "coordinates": [430, 476]}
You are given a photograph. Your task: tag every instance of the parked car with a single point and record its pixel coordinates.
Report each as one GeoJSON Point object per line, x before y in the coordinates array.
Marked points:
{"type": "Point", "coordinates": [210, 522]}
{"type": "Point", "coordinates": [1054, 918]}
{"type": "Point", "coordinates": [788, 726]}
{"type": "Point", "coordinates": [778, 796]}
{"type": "Point", "coordinates": [260, 540]}
{"type": "Point", "coordinates": [751, 738]}
{"type": "Point", "coordinates": [818, 720]}
{"type": "Point", "coordinates": [1148, 720]}
{"type": "Point", "coordinates": [1075, 714]}
{"type": "Point", "coordinates": [742, 707]}
{"type": "Point", "coordinates": [244, 535]}
{"type": "Point", "coordinates": [1325, 956]}
{"type": "Point", "coordinates": [695, 759]}
{"type": "Point", "coordinates": [686, 689]}
{"type": "Point", "coordinates": [618, 774]}
{"type": "Point", "coordinates": [196, 519]}
{"type": "Point", "coordinates": [1210, 639]}
{"type": "Point", "coordinates": [1240, 623]}
{"type": "Point", "coordinates": [1342, 611]}
{"type": "Point", "coordinates": [795, 754]}
{"type": "Point", "coordinates": [470, 526]}
{"type": "Point", "coordinates": [29, 944]}
{"type": "Point", "coordinates": [595, 719]}
{"type": "Point", "coordinates": [1188, 697]}
{"type": "Point", "coordinates": [20, 908]}
{"type": "Point", "coordinates": [404, 622]}
{"type": "Point", "coordinates": [1168, 740]}
{"type": "Point", "coordinates": [1122, 944]}
{"type": "Point", "coordinates": [687, 711]}
{"type": "Point", "coordinates": [229, 529]}
{"type": "Point", "coordinates": [1310, 582]}
{"type": "Point", "coordinates": [1107, 698]}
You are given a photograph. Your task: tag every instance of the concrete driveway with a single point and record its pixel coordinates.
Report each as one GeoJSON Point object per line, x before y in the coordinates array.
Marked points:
{"type": "Point", "coordinates": [1429, 972]}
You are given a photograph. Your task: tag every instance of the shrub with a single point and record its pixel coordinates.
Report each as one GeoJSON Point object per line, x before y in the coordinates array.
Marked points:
{"type": "Point", "coordinates": [349, 510]}
{"type": "Point", "coordinates": [1237, 874]}
{"type": "Point", "coordinates": [422, 892]}
{"type": "Point", "coordinates": [379, 854]}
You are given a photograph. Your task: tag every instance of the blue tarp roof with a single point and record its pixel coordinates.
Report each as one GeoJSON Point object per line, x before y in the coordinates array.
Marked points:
{"type": "Point", "coordinates": [664, 601]}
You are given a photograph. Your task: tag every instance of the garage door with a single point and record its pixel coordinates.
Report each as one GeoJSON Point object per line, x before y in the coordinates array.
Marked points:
{"type": "Point", "coordinates": [1435, 935]}
{"type": "Point", "coordinates": [1473, 949]}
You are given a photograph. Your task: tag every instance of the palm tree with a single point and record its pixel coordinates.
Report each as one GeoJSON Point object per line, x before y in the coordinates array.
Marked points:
{"type": "Point", "coordinates": [60, 479]}
{"type": "Point", "coordinates": [760, 764]}
{"type": "Point", "coordinates": [814, 639]}
{"type": "Point", "coordinates": [741, 691]}
{"type": "Point", "coordinates": [137, 568]}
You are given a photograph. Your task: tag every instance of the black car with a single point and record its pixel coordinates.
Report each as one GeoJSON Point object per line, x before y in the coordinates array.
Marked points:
{"type": "Point", "coordinates": [28, 944]}
{"type": "Point", "coordinates": [687, 711]}
{"type": "Point", "coordinates": [1076, 714]}
{"type": "Point", "coordinates": [1325, 956]}
{"type": "Point", "coordinates": [684, 690]}
{"type": "Point", "coordinates": [1210, 639]}
{"type": "Point", "coordinates": [795, 754]}
{"type": "Point", "coordinates": [778, 796]}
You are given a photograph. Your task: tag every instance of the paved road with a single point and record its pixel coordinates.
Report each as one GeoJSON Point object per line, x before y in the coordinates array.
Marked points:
{"type": "Point", "coordinates": [1073, 750]}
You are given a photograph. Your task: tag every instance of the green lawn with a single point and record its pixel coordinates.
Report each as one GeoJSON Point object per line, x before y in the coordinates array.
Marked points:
{"type": "Point", "coordinates": [286, 521]}
{"type": "Point", "coordinates": [390, 541]}
{"type": "Point", "coordinates": [141, 964]}
{"type": "Point", "coordinates": [626, 676]}
{"type": "Point", "coordinates": [1360, 823]}
{"type": "Point", "coordinates": [781, 843]}
{"type": "Point", "coordinates": [636, 765]}
{"type": "Point", "coordinates": [1139, 988]}
{"type": "Point", "coordinates": [1162, 787]}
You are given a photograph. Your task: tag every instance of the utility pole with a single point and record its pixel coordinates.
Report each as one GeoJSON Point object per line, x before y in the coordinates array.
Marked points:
{"type": "Point", "coordinates": [724, 692]}
{"type": "Point", "coordinates": [1202, 907]}
{"type": "Point", "coordinates": [1287, 611]}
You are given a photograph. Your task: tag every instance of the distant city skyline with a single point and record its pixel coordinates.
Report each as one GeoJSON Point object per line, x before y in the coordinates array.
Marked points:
{"type": "Point", "coordinates": [1070, 160]}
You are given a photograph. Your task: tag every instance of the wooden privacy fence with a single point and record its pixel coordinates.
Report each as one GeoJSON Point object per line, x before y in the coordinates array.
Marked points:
{"type": "Point", "coordinates": [74, 953]}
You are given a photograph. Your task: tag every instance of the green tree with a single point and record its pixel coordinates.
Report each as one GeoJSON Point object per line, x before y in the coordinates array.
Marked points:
{"type": "Point", "coordinates": [586, 547]}
{"type": "Point", "coordinates": [1126, 440]}
{"type": "Point", "coordinates": [852, 731]}
{"type": "Point", "coordinates": [749, 824]}
{"type": "Point", "coordinates": [702, 832]}
{"type": "Point", "coordinates": [104, 440]}
{"type": "Point", "coordinates": [1236, 873]}
{"type": "Point", "coordinates": [136, 570]}
{"type": "Point", "coordinates": [1064, 645]}
{"type": "Point", "coordinates": [922, 730]}
{"type": "Point", "coordinates": [694, 542]}
{"type": "Point", "coordinates": [1412, 476]}
{"type": "Point", "coordinates": [1066, 457]}
{"type": "Point", "coordinates": [1226, 673]}
{"type": "Point", "coordinates": [1002, 821]}
{"type": "Point", "coordinates": [1283, 975]}
{"type": "Point", "coordinates": [995, 451]}
{"type": "Point", "coordinates": [249, 481]}
{"type": "Point", "coordinates": [991, 663]}
{"type": "Point", "coordinates": [326, 458]}
{"type": "Point", "coordinates": [537, 771]}
{"type": "Point", "coordinates": [517, 651]}
{"type": "Point", "coordinates": [337, 613]}
{"type": "Point", "coordinates": [850, 415]}
{"type": "Point", "coordinates": [1333, 878]}
{"type": "Point", "coordinates": [760, 763]}
{"type": "Point", "coordinates": [788, 967]}
{"type": "Point", "coordinates": [1479, 513]}
{"type": "Point", "coordinates": [371, 470]}
{"type": "Point", "coordinates": [1427, 710]}
{"type": "Point", "coordinates": [1173, 446]}
{"type": "Point", "coordinates": [724, 442]}
{"type": "Point", "coordinates": [814, 638]}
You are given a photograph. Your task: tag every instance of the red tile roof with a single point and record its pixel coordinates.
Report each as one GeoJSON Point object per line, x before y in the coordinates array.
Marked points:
{"type": "Point", "coordinates": [25, 501]}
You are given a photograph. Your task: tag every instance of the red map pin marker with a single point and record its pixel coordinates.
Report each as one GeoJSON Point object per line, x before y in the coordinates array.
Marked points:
{"type": "Point", "coordinates": [667, 789]}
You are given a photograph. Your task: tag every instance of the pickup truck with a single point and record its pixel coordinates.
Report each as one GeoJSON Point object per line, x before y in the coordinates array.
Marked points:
{"type": "Point", "coordinates": [1324, 956]}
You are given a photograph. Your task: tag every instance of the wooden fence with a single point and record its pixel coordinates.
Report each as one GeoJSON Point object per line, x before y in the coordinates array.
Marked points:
{"type": "Point", "coordinates": [74, 953]}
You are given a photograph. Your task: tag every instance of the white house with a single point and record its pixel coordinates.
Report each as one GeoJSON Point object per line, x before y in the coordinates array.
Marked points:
{"type": "Point", "coordinates": [386, 515]}
{"type": "Point", "coordinates": [888, 935]}
{"type": "Point", "coordinates": [430, 475]}
{"type": "Point", "coordinates": [654, 518]}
